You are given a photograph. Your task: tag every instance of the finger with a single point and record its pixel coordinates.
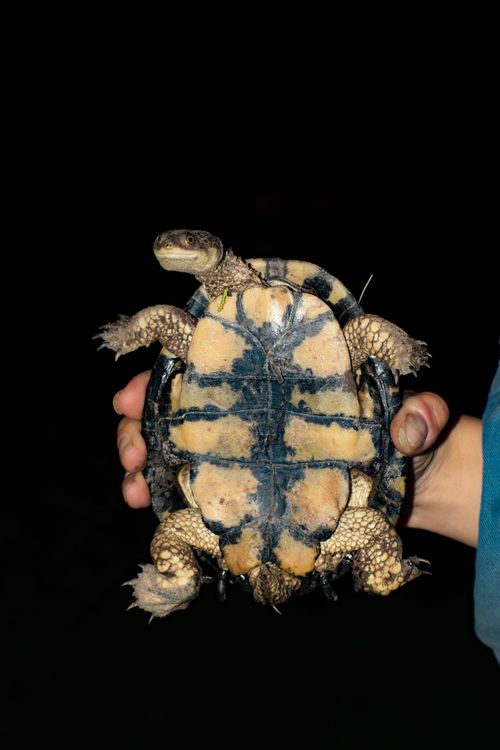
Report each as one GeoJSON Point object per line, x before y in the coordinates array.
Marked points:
{"type": "Point", "coordinates": [418, 423]}
{"type": "Point", "coordinates": [130, 400]}
{"type": "Point", "coordinates": [131, 445]}
{"type": "Point", "coordinates": [135, 490]}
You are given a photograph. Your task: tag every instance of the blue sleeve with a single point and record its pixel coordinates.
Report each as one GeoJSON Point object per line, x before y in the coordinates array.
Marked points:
{"type": "Point", "coordinates": [487, 583]}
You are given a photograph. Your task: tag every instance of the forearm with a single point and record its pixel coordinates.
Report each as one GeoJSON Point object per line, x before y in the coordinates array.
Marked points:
{"type": "Point", "coordinates": [447, 499]}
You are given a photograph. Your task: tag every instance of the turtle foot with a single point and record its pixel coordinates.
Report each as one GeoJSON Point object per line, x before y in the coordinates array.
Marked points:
{"type": "Point", "coordinates": [162, 594]}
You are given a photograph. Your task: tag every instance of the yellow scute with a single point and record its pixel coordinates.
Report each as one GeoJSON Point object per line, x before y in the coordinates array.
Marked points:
{"type": "Point", "coordinates": [366, 402]}
{"type": "Point", "coordinates": [222, 396]}
{"type": "Point", "coordinates": [266, 305]}
{"type": "Point", "coordinates": [245, 554]}
{"type": "Point", "coordinates": [318, 499]}
{"type": "Point", "coordinates": [224, 308]}
{"type": "Point", "coordinates": [334, 401]}
{"type": "Point", "coordinates": [317, 442]}
{"type": "Point", "coordinates": [175, 392]}
{"type": "Point", "coordinates": [215, 348]}
{"type": "Point", "coordinates": [325, 353]}
{"type": "Point", "coordinates": [310, 307]}
{"type": "Point", "coordinates": [226, 437]}
{"type": "Point", "coordinates": [294, 556]}
{"type": "Point", "coordinates": [223, 493]}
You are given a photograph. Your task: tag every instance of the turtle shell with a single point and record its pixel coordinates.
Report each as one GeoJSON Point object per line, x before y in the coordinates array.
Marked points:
{"type": "Point", "coordinates": [271, 418]}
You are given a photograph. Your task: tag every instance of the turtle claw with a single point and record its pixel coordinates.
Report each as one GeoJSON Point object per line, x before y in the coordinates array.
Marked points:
{"type": "Point", "coordinates": [115, 337]}
{"type": "Point", "coordinates": [101, 328]}
{"type": "Point", "coordinates": [420, 356]}
{"type": "Point", "coordinates": [325, 580]}
{"type": "Point", "coordinates": [417, 560]}
{"type": "Point", "coordinates": [222, 585]}
{"type": "Point", "coordinates": [413, 565]}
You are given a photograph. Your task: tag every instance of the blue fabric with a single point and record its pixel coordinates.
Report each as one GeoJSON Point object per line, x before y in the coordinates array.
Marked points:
{"type": "Point", "coordinates": [487, 583]}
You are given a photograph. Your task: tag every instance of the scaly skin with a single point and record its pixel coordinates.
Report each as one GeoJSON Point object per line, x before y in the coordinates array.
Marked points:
{"type": "Point", "coordinates": [172, 327]}
{"type": "Point", "coordinates": [175, 579]}
{"type": "Point", "coordinates": [370, 335]}
{"type": "Point", "coordinates": [377, 564]}
{"type": "Point", "coordinates": [272, 585]}
{"type": "Point", "coordinates": [232, 274]}
{"type": "Point", "coordinates": [369, 538]}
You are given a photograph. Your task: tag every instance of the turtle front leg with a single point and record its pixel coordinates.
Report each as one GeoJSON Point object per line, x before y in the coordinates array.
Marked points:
{"type": "Point", "coordinates": [171, 326]}
{"type": "Point", "coordinates": [367, 537]}
{"type": "Point", "coordinates": [369, 335]}
{"type": "Point", "coordinates": [175, 578]}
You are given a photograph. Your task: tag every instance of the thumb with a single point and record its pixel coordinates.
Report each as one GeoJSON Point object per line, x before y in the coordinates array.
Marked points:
{"type": "Point", "coordinates": [418, 423]}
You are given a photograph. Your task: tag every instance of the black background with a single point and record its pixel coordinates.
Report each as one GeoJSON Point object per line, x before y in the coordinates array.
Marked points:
{"type": "Point", "coordinates": [83, 672]}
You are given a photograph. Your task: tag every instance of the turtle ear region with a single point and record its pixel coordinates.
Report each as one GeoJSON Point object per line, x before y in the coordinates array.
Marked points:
{"type": "Point", "coordinates": [211, 248]}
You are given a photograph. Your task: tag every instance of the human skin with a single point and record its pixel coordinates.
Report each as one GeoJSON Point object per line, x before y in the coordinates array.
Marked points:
{"type": "Point", "coordinates": [444, 491]}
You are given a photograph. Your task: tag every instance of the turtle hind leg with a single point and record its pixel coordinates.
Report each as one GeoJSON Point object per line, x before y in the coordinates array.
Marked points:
{"type": "Point", "coordinates": [171, 326]}
{"type": "Point", "coordinates": [175, 578]}
{"type": "Point", "coordinates": [378, 566]}
{"type": "Point", "coordinates": [367, 540]}
{"type": "Point", "coordinates": [369, 335]}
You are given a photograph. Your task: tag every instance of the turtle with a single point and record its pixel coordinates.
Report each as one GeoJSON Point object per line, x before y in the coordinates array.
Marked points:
{"type": "Point", "coordinates": [267, 419]}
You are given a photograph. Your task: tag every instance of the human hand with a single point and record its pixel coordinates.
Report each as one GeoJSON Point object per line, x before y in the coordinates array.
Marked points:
{"type": "Point", "coordinates": [445, 478]}
{"type": "Point", "coordinates": [414, 431]}
{"type": "Point", "coordinates": [444, 487]}
{"type": "Point", "coordinates": [131, 445]}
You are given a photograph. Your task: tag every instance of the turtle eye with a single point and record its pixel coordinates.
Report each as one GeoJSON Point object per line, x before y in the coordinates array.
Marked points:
{"type": "Point", "coordinates": [189, 239]}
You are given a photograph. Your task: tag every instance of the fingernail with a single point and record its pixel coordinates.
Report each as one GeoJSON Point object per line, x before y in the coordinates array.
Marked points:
{"type": "Point", "coordinates": [115, 402]}
{"type": "Point", "coordinates": [413, 433]}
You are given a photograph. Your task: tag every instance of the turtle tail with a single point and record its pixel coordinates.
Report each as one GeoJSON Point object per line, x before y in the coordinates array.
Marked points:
{"type": "Point", "coordinates": [272, 585]}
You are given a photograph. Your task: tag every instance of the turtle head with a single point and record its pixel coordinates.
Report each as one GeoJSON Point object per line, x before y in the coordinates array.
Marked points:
{"type": "Point", "coordinates": [272, 585]}
{"type": "Point", "coordinates": [188, 250]}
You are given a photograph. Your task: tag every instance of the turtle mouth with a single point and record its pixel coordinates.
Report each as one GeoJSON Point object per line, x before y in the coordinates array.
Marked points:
{"type": "Point", "coordinates": [174, 254]}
